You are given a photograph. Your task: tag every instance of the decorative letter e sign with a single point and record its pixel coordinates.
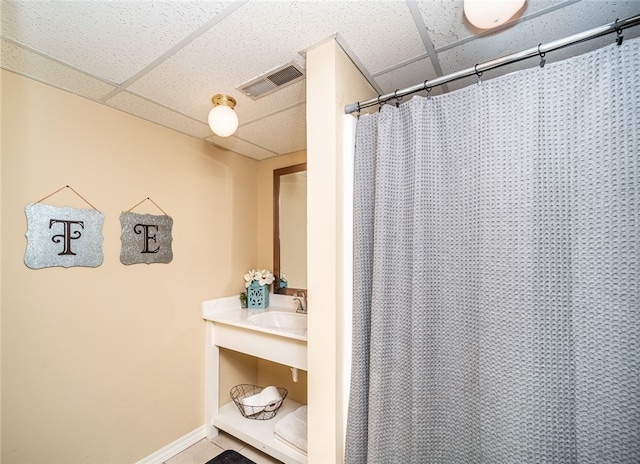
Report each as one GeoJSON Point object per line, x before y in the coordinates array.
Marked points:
{"type": "Point", "coordinates": [63, 236]}
{"type": "Point", "coordinates": [145, 238]}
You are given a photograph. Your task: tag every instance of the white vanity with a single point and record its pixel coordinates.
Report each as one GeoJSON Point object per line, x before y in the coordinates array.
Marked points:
{"type": "Point", "coordinates": [277, 334]}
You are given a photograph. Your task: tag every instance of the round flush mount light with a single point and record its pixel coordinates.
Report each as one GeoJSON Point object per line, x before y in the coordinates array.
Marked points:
{"type": "Point", "coordinates": [487, 14]}
{"type": "Point", "coordinates": [223, 120]}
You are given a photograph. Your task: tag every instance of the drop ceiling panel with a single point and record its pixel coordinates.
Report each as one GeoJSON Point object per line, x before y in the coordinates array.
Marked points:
{"type": "Point", "coordinates": [443, 20]}
{"type": "Point", "coordinates": [292, 95]}
{"type": "Point", "coordinates": [392, 35]}
{"type": "Point", "coordinates": [153, 112]}
{"type": "Point", "coordinates": [446, 23]}
{"type": "Point", "coordinates": [113, 40]}
{"type": "Point", "coordinates": [27, 63]}
{"type": "Point", "coordinates": [406, 76]}
{"type": "Point", "coordinates": [289, 138]}
{"type": "Point", "coordinates": [238, 145]}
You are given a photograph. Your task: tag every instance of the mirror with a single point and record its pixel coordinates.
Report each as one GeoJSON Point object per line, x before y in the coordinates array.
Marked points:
{"type": "Point", "coordinates": [290, 229]}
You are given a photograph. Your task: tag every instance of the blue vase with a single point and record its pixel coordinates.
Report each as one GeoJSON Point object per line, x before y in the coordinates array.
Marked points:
{"type": "Point", "coordinates": [257, 296]}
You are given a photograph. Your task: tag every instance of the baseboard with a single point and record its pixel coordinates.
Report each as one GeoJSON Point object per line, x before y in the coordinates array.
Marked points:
{"type": "Point", "coordinates": [176, 447]}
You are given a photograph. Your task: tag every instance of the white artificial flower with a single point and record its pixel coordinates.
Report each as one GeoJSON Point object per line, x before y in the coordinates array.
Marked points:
{"type": "Point", "coordinates": [267, 277]}
{"type": "Point", "coordinates": [263, 277]}
{"type": "Point", "coordinates": [249, 277]}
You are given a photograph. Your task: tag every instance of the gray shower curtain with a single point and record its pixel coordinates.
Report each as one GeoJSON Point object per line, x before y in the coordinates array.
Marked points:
{"type": "Point", "coordinates": [497, 271]}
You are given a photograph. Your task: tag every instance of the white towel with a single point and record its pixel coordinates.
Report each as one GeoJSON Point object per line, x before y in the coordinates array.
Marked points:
{"type": "Point", "coordinates": [292, 429]}
{"type": "Point", "coordinates": [257, 403]}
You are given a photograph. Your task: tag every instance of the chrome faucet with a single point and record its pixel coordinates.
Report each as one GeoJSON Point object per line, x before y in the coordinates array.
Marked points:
{"type": "Point", "coordinates": [301, 299]}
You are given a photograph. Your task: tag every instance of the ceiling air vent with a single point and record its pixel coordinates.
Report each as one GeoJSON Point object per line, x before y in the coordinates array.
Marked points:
{"type": "Point", "coordinates": [272, 81]}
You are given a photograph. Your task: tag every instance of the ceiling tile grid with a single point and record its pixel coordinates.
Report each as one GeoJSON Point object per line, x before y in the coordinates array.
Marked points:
{"type": "Point", "coordinates": [391, 32]}
{"type": "Point", "coordinates": [153, 112]}
{"type": "Point", "coordinates": [163, 60]}
{"type": "Point", "coordinates": [407, 76]}
{"type": "Point", "coordinates": [217, 62]}
{"type": "Point", "coordinates": [280, 100]}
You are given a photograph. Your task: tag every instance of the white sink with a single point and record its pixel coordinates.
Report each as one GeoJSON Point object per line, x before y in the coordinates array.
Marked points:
{"type": "Point", "coordinates": [280, 320]}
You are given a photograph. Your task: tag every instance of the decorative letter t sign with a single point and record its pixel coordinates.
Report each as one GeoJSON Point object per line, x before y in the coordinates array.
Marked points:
{"type": "Point", "coordinates": [63, 236]}
{"type": "Point", "coordinates": [145, 238]}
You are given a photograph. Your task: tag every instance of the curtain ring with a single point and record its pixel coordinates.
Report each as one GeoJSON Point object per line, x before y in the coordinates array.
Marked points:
{"type": "Point", "coordinates": [479, 74]}
{"type": "Point", "coordinates": [427, 88]}
{"type": "Point", "coordinates": [619, 32]}
{"type": "Point", "coordinates": [395, 95]}
{"type": "Point", "coordinates": [543, 60]}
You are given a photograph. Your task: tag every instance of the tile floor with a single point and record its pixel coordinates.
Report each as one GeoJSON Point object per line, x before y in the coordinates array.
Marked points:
{"type": "Point", "coordinates": [204, 450]}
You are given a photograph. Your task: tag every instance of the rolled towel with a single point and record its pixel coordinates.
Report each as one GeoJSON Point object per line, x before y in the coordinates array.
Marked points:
{"type": "Point", "coordinates": [292, 429]}
{"type": "Point", "coordinates": [260, 401]}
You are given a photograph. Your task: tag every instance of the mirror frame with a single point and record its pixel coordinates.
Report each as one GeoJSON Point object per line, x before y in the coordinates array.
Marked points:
{"type": "Point", "coordinates": [276, 227]}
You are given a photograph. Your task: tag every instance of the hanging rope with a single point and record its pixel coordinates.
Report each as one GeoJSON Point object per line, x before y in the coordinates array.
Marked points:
{"type": "Point", "coordinates": [70, 188]}
{"type": "Point", "coordinates": [146, 199]}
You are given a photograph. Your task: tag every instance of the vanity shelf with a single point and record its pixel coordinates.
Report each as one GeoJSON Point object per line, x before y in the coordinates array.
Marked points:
{"type": "Point", "coordinates": [259, 433]}
{"type": "Point", "coordinates": [230, 327]}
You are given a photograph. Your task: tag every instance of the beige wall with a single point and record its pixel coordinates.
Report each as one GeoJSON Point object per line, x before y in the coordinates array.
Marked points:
{"type": "Point", "coordinates": [234, 367]}
{"type": "Point", "coordinates": [332, 82]}
{"type": "Point", "coordinates": [105, 365]}
{"type": "Point", "coordinates": [1, 261]}
{"type": "Point", "coordinates": [265, 182]}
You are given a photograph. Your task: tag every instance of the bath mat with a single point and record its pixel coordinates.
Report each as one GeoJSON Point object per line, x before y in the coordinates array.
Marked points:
{"type": "Point", "coordinates": [230, 457]}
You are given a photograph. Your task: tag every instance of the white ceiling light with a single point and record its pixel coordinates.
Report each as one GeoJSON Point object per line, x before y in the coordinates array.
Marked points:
{"type": "Point", "coordinates": [486, 14]}
{"type": "Point", "coordinates": [223, 120]}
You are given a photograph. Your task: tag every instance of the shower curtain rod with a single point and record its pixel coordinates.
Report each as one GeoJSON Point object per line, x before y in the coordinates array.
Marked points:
{"type": "Point", "coordinates": [478, 69]}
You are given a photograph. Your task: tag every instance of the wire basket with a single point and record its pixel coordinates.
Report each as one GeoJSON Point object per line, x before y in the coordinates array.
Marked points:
{"type": "Point", "coordinates": [262, 412]}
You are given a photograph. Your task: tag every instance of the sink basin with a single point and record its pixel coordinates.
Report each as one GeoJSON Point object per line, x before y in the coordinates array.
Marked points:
{"type": "Point", "coordinates": [280, 320]}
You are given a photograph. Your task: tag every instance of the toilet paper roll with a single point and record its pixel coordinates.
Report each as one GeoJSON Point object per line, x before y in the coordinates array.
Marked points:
{"type": "Point", "coordinates": [266, 399]}
{"type": "Point", "coordinates": [269, 395]}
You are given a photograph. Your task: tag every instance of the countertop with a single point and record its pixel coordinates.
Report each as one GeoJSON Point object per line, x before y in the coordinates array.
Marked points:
{"type": "Point", "coordinates": [228, 311]}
